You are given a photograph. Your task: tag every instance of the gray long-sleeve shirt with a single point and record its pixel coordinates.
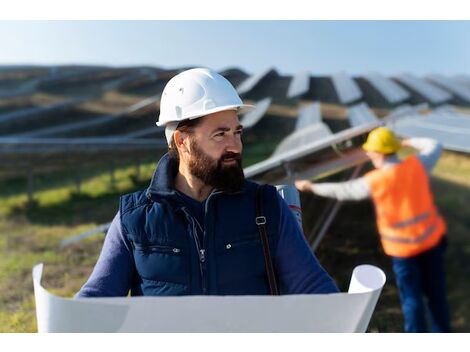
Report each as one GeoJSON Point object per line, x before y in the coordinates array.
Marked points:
{"type": "Point", "coordinates": [358, 189]}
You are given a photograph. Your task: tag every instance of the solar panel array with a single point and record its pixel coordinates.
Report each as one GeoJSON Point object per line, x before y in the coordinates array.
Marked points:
{"type": "Point", "coordinates": [430, 91]}
{"type": "Point", "coordinates": [390, 90]}
{"type": "Point", "coordinates": [449, 128]}
{"type": "Point", "coordinates": [299, 85]}
{"type": "Point", "coordinates": [251, 82]}
{"type": "Point", "coordinates": [308, 115]}
{"type": "Point", "coordinates": [462, 79]}
{"type": "Point", "coordinates": [313, 132]}
{"type": "Point", "coordinates": [251, 118]}
{"type": "Point", "coordinates": [346, 88]}
{"type": "Point", "coordinates": [360, 115]}
{"type": "Point", "coordinates": [99, 114]}
{"type": "Point", "coordinates": [451, 85]}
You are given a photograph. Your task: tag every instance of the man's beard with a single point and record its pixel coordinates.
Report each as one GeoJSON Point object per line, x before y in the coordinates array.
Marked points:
{"type": "Point", "coordinates": [214, 172]}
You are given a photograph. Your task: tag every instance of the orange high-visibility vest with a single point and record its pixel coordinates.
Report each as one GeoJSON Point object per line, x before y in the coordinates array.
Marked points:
{"type": "Point", "coordinates": [407, 219]}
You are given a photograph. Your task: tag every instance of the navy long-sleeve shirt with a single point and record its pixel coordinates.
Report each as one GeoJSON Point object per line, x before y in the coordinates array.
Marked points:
{"type": "Point", "coordinates": [298, 269]}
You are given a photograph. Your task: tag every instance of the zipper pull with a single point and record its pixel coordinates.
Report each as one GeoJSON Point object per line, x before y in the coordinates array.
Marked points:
{"type": "Point", "coordinates": [202, 255]}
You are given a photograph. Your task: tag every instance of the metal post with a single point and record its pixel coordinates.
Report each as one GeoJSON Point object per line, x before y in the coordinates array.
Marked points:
{"type": "Point", "coordinates": [78, 182]}
{"type": "Point", "coordinates": [137, 170]}
{"type": "Point", "coordinates": [113, 176]}
{"type": "Point", "coordinates": [331, 215]}
{"type": "Point", "coordinates": [30, 187]}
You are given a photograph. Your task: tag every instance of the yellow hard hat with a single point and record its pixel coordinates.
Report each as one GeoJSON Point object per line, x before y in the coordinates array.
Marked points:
{"type": "Point", "coordinates": [382, 140]}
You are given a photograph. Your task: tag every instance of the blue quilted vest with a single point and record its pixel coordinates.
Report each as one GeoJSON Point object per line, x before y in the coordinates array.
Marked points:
{"type": "Point", "coordinates": [173, 256]}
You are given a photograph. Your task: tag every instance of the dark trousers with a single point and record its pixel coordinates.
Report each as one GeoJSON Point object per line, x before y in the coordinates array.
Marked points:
{"type": "Point", "coordinates": [419, 278]}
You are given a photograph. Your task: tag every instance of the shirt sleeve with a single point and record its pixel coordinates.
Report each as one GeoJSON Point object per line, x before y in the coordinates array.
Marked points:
{"type": "Point", "coordinates": [429, 151]}
{"type": "Point", "coordinates": [298, 269]}
{"type": "Point", "coordinates": [114, 270]}
{"type": "Point", "coordinates": [357, 189]}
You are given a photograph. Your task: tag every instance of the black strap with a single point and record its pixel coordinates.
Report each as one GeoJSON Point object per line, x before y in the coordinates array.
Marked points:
{"type": "Point", "coordinates": [261, 223]}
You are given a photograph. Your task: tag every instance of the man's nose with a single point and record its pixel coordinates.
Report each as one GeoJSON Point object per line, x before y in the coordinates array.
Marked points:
{"type": "Point", "coordinates": [234, 144]}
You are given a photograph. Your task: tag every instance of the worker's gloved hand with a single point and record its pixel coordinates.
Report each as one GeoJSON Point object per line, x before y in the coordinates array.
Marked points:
{"type": "Point", "coordinates": [304, 186]}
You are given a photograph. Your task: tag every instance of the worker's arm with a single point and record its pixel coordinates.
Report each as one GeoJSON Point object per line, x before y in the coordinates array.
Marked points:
{"type": "Point", "coordinates": [429, 151]}
{"type": "Point", "coordinates": [298, 269]}
{"type": "Point", "coordinates": [357, 189]}
{"type": "Point", "coordinates": [114, 270]}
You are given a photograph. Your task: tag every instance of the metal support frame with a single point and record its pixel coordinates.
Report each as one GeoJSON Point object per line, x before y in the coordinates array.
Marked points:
{"type": "Point", "coordinates": [330, 213]}
{"type": "Point", "coordinates": [78, 182]}
{"type": "Point", "coordinates": [137, 169]}
{"type": "Point", "coordinates": [30, 187]}
{"type": "Point", "coordinates": [112, 174]}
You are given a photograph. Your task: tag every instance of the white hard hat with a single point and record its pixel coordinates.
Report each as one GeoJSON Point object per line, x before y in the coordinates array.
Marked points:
{"type": "Point", "coordinates": [195, 93]}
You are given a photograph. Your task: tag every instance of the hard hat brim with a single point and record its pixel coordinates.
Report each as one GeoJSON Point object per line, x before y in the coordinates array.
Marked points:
{"type": "Point", "coordinates": [241, 109]}
{"type": "Point", "coordinates": [368, 148]}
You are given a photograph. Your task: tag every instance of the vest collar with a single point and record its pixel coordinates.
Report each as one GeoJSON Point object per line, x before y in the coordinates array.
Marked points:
{"type": "Point", "coordinates": [162, 183]}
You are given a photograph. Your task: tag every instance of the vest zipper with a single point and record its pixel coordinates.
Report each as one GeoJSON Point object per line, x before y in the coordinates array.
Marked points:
{"type": "Point", "coordinates": [204, 237]}
{"type": "Point", "coordinates": [200, 251]}
{"type": "Point", "coordinates": [202, 254]}
{"type": "Point", "coordinates": [201, 247]}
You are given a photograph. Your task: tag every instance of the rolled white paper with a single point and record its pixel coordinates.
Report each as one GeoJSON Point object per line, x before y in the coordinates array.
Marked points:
{"type": "Point", "coordinates": [338, 312]}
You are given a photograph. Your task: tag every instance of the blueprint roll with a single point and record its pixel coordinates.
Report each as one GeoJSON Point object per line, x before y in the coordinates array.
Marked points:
{"type": "Point", "coordinates": [366, 278]}
{"type": "Point", "coordinates": [292, 198]}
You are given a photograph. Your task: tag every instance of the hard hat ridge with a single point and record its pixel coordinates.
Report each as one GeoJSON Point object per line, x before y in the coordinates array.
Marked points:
{"type": "Point", "coordinates": [195, 93]}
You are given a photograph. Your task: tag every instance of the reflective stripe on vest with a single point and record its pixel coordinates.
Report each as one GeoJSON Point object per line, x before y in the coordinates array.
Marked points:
{"type": "Point", "coordinates": [407, 219]}
{"type": "Point", "coordinates": [412, 221]}
{"type": "Point", "coordinates": [420, 238]}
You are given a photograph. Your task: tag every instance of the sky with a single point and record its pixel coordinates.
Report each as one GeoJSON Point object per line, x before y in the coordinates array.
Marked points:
{"type": "Point", "coordinates": [320, 47]}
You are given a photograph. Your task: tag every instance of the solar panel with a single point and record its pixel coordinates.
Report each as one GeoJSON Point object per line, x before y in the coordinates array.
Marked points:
{"type": "Point", "coordinates": [360, 114]}
{"type": "Point", "coordinates": [308, 115]}
{"type": "Point", "coordinates": [318, 158]}
{"type": "Point", "coordinates": [80, 125]}
{"type": "Point", "coordinates": [390, 90]}
{"type": "Point", "coordinates": [428, 90]}
{"type": "Point", "coordinates": [41, 110]}
{"type": "Point", "coordinates": [346, 88]}
{"type": "Point", "coordinates": [299, 85]}
{"type": "Point", "coordinates": [451, 85]}
{"type": "Point", "coordinates": [299, 138]}
{"type": "Point", "coordinates": [445, 108]}
{"type": "Point", "coordinates": [449, 128]}
{"type": "Point", "coordinates": [61, 145]}
{"type": "Point", "coordinates": [404, 111]}
{"type": "Point", "coordinates": [144, 132]}
{"type": "Point", "coordinates": [252, 81]}
{"type": "Point", "coordinates": [462, 79]}
{"type": "Point", "coordinates": [252, 118]}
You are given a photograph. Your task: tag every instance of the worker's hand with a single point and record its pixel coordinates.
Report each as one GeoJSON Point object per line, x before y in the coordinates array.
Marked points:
{"type": "Point", "coordinates": [304, 185]}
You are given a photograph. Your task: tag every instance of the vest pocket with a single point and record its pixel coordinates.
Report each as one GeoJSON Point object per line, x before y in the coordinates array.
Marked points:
{"type": "Point", "coordinates": [162, 263]}
{"type": "Point", "coordinates": [159, 249]}
{"type": "Point", "coordinates": [241, 268]}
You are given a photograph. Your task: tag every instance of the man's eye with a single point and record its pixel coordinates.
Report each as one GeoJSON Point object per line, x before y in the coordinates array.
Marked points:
{"type": "Point", "coordinates": [239, 132]}
{"type": "Point", "coordinates": [220, 134]}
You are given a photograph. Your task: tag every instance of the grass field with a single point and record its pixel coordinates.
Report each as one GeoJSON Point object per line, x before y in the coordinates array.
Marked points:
{"type": "Point", "coordinates": [32, 234]}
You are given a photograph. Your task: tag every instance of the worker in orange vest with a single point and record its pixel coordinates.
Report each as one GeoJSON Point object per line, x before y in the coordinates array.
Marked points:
{"type": "Point", "coordinates": [411, 229]}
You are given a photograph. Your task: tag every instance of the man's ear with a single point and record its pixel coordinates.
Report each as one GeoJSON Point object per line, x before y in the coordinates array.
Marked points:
{"type": "Point", "coordinates": [181, 141]}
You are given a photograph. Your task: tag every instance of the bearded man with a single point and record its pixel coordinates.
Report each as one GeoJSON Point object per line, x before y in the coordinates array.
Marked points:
{"type": "Point", "coordinates": [200, 228]}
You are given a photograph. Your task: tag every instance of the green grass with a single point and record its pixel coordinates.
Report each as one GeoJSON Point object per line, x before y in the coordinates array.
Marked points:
{"type": "Point", "coordinates": [32, 234]}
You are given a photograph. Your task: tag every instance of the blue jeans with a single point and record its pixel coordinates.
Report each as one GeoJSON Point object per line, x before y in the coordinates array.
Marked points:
{"type": "Point", "coordinates": [420, 277]}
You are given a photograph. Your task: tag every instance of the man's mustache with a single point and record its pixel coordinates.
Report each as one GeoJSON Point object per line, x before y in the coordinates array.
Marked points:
{"type": "Point", "coordinates": [231, 155]}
